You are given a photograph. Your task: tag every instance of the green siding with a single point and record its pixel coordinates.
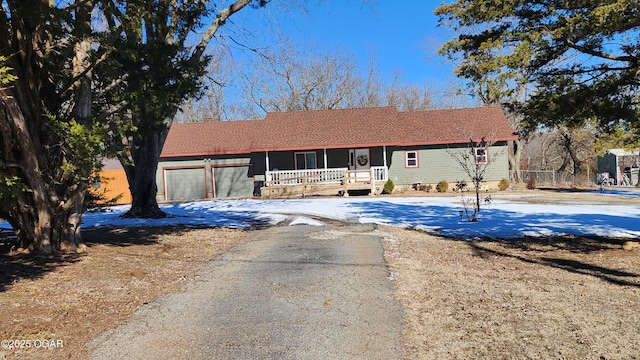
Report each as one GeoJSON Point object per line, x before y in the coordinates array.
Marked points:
{"type": "Point", "coordinates": [238, 175]}
{"type": "Point", "coordinates": [435, 164]}
{"type": "Point", "coordinates": [237, 182]}
{"type": "Point", "coordinates": [402, 175]}
{"type": "Point", "coordinates": [230, 160]}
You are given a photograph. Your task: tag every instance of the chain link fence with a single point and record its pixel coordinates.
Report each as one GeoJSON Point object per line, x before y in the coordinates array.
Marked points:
{"type": "Point", "coordinates": [546, 177]}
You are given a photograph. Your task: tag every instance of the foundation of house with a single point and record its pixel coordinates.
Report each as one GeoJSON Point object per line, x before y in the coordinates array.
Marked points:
{"type": "Point", "coordinates": [304, 190]}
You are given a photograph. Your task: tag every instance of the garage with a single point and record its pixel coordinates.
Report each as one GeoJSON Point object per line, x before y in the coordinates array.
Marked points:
{"type": "Point", "coordinates": [233, 181]}
{"type": "Point", "coordinates": [185, 184]}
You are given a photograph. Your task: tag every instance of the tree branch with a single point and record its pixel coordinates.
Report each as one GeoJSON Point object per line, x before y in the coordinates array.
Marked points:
{"type": "Point", "coordinates": [213, 28]}
{"type": "Point", "coordinates": [115, 12]}
{"type": "Point", "coordinates": [173, 24]}
{"type": "Point", "coordinates": [113, 85]}
{"type": "Point", "coordinates": [70, 87]}
{"type": "Point", "coordinates": [112, 110]}
{"type": "Point", "coordinates": [600, 54]}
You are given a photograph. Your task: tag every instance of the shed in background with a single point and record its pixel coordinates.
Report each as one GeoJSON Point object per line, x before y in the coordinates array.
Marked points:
{"type": "Point", "coordinates": [619, 167]}
{"type": "Point", "coordinates": [113, 187]}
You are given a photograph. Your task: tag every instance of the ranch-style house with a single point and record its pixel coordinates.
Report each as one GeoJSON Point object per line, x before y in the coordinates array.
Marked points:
{"type": "Point", "coordinates": [329, 152]}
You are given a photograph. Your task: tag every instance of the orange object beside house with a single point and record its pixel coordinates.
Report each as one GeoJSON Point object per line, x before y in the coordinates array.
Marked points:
{"type": "Point", "coordinates": [113, 184]}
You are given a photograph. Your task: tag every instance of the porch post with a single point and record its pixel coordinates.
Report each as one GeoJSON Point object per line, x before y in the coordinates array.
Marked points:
{"type": "Point", "coordinates": [384, 155]}
{"type": "Point", "coordinates": [618, 177]}
{"type": "Point", "coordinates": [325, 158]}
{"type": "Point", "coordinates": [373, 181]}
{"type": "Point", "coordinates": [267, 173]}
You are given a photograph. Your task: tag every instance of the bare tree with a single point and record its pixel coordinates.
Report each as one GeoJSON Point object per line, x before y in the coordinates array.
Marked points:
{"type": "Point", "coordinates": [370, 94]}
{"type": "Point", "coordinates": [409, 97]}
{"type": "Point", "coordinates": [289, 79]}
{"type": "Point", "coordinates": [473, 159]}
{"type": "Point", "coordinates": [567, 151]}
{"type": "Point", "coordinates": [292, 78]}
{"type": "Point", "coordinates": [216, 101]}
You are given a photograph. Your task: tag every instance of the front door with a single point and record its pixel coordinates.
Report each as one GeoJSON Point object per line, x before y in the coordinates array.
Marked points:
{"type": "Point", "coordinates": [359, 159]}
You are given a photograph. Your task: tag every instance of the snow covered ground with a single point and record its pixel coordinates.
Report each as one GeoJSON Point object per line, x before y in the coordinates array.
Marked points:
{"type": "Point", "coordinates": [440, 215]}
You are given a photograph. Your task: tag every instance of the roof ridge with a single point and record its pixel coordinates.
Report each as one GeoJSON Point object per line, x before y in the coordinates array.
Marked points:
{"type": "Point", "coordinates": [215, 121]}
{"type": "Point", "coordinates": [336, 110]}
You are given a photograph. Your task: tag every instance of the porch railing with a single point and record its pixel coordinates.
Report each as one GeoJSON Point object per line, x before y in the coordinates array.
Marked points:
{"type": "Point", "coordinates": [294, 177]}
{"type": "Point", "coordinates": [380, 173]}
{"type": "Point", "coordinates": [325, 176]}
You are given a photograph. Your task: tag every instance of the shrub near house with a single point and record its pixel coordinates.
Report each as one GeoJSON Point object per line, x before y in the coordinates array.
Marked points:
{"type": "Point", "coordinates": [442, 186]}
{"type": "Point", "coordinates": [503, 184]}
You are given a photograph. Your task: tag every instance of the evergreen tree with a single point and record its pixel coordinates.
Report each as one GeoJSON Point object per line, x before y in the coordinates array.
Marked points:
{"type": "Point", "coordinates": [155, 70]}
{"type": "Point", "coordinates": [50, 141]}
{"type": "Point", "coordinates": [577, 59]}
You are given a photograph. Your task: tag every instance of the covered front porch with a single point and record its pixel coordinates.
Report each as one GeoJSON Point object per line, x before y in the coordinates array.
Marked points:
{"type": "Point", "coordinates": [323, 181]}
{"type": "Point", "coordinates": [366, 170]}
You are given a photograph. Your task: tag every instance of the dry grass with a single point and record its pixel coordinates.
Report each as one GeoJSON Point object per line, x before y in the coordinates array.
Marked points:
{"type": "Point", "coordinates": [555, 298]}
{"type": "Point", "coordinates": [74, 298]}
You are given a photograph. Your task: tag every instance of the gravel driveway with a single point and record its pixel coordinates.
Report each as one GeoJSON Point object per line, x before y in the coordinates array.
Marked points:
{"type": "Point", "coordinates": [294, 292]}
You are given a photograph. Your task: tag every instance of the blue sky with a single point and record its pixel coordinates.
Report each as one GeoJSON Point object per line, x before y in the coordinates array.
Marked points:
{"type": "Point", "coordinates": [404, 36]}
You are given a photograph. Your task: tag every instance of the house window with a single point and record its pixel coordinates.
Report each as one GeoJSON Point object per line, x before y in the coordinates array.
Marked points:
{"type": "Point", "coordinates": [482, 155]}
{"type": "Point", "coordinates": [305, 160]}
{"type": "Point", "coordinates": [411, 159]}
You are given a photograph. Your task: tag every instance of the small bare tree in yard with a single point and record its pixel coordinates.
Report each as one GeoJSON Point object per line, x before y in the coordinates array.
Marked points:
{"type": "Point", "coordinates": [474, 160]}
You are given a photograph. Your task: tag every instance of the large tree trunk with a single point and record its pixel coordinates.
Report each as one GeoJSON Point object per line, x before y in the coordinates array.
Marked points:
{"type": "Point", "coordinates": [141, 164]}
{"type": "Point", "coordinates": [515, 154]}
{"type": "Point", "coordinates": [568, 143]}
{"type": "Point", "coordinates": [43, 171]}
{"type": "Point", "coordinates": [141, 175]}
{"type": "Point", "coordinates": [45, 215]}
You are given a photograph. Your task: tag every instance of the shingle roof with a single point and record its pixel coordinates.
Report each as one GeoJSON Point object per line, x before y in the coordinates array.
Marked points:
{"type": "Point", "coordinates": [213, 137]}
{"type": "Point", "coordinates": [328, 128]}
{"type": "Point", "coordinates": [456, 125]}
{"type": "Point", "coordinates": [363, 127]}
